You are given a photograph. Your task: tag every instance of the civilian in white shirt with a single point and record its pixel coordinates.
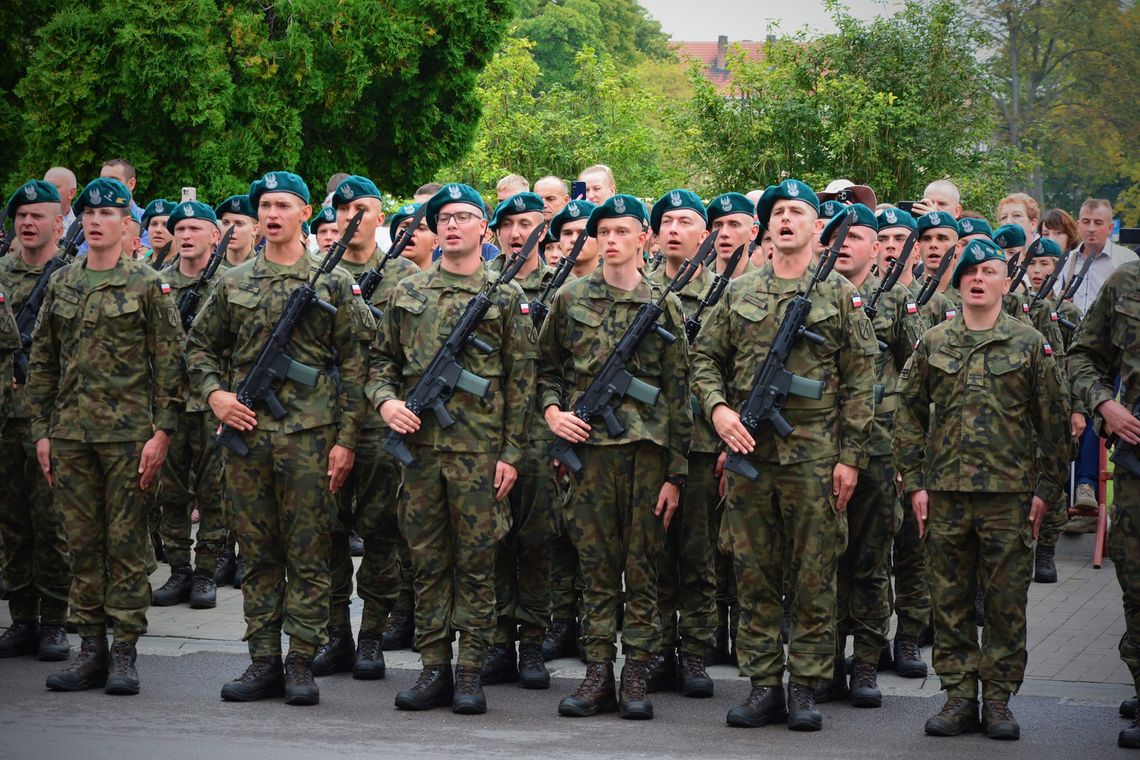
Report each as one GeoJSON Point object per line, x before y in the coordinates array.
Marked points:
{"type": "Point", "coordinates": [1094, 224]}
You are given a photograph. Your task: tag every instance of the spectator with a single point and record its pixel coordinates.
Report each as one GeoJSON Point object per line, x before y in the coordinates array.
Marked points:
{"type": "Point", "coordinates": [425, 192]}
{"type": "Point", "coordinates": [1022, 210]}
{"type": "Point", "coordinates": [941, 195]}
{"type": "Point", "coordinates": [511, 184]}
{"type": "Point", "coordinates": [124, 171]}
{"type": "Point", "coordinates": [1060, 227]}
{"type": "Point", "coordinates": [554, 193]}
{"type": "Point", "coordinates": [600, 184]}
{"type": "Point", "coordinates": [65, 182]}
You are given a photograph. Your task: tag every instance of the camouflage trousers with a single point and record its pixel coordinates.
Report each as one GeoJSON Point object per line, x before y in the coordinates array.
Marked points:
{"type": "Point", "coordinates": [565, 580]}
{"type": "Point", "coordinates": [1054, 523]}
{"type": "Point", "coordinates": [614, 530]}
{"type": "Point", "coordinates": [1124, 550]}
{"type": "Point", "coordinates": [986, 536]}
{"type": "Point", "coordinates": [723, 571]}
{"type": "Point", "coordinates": [522, 557]}
{"type": "Point", "coordinates": [450, 518]}
{"type": "Point", "coordinates": [912, 579]}
{"type": "Point", "coordinates": [36, 565]}
{"type": "Point", "coordinates": [283, 514]}
{"type": "Point", "coordinates": [786, 537]}
{"type": "Point", "coordinates": [864, 577]}
{"type": "Point", "coordinates": [405, 593]}
{"type": "Point", "coordinates": [192, 473]}
{"type": "Point", "coordinates": [686, 584]}
{"type": "Point", "coordinates": [104, 513]}
{"type": "Point", "coordinates": [367, 502]}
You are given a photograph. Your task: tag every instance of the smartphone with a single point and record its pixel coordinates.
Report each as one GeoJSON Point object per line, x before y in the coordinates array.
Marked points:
{"type": "Point", "coordinates": [577, 190]}
{"type": "Point", "coordinates": [907, 206]}
{"type": "Point", "coordinates": [189, 194]}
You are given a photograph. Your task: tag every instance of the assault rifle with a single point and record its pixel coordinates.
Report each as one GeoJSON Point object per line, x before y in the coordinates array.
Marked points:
{"type": "Point", "coordinates": [192, 296]}
{"type": "Point", "coordinates": [538, 307]}
{"type": "Point", "coordinates": [1123, 454]}
{"type": "Point", "coordinates": [716, 289]}
{"type": "Point", "coordinates": [894, 271]}
{"type": "Point", "coordinates": [371, 279]}
{"type": "Point", "coordinates": [1023, 267]}
{"type": "Point", "coordinates": [1071, 290]}
{"type": "Point", "coordinates": [930, 284]}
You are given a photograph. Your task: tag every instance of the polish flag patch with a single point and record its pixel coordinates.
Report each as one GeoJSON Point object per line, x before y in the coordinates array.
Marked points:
{"type": "Point", "coordinates": [1025, 308]}
{"type": "Point", "coordinates": [524, 307]}
{"type": "Point", "coordinates": [951, 313]}
{"type": "Point", "coordinates": [912, 308]}
{"type": "Point", "coordinates": [1054, 316]}
{"type": "Point", "coordinates": [166, 288]}
{"type": "Point", "coordinates": [857, 301]}
{"type": "Point", "coordinates": [355, 289]}
{"type": "Point", "coordinates": [1048, 349]}
{"type": "Point", "coordinates": [2, 298]}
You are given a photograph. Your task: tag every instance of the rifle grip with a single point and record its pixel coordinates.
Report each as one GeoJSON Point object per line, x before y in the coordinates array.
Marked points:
{"type": "Point", "coordinates": [480, 345]}
{"type": "Point", "coordinates": [563, 451]}
{"type": "Point", "coordinates": [274, 405]}
{"type": "Point", "coordinates": [538, 312]}
{"type": "Point", "coordinates": [739, 464]}
{"type": "Point", "coordinates": [442, 415]}
{"type": "Point", "coordinates": [395, 447]}
{"type": "Point", "coordinates": [613, 424]}
{"type": "Point", "coordinates": [782, 427]}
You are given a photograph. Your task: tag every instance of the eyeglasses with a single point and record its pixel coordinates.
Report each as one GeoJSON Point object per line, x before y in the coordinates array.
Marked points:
{"type": "Point", "coordinates": [459, 217]}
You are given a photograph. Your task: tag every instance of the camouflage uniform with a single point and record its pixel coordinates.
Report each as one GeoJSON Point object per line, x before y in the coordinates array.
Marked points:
{"type": "Point", "coordinates": [610, 512]}
{"type": "Point", "coordinates": [279, 492]}
{"type": "Point", "coordinates": [447, 508]}
{"type": "Point", "coordinates": [790, 511]}
{"type": "Point", "coordinates": [972, 454]}
{"type": "Point", "coordinates": [99, 392]}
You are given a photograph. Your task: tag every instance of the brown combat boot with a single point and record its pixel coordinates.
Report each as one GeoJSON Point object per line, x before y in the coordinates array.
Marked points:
{"type": "Point", "coordinates": [87, 671]}
{"type": "Point", "coordinates": [633, 702]}
{"type": "Point", "coordinates": [596, 694]}
{"type": "Point", "coordinates": [957, 716]}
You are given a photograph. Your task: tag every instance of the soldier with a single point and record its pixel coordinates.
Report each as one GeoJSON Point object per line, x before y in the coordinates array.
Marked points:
{"type": "Point", "coordinates": [35, 547]}
{"type": "Point", "coordinates": [735, 225]}
{"type": "Point", "coordinates": [105, 392]}
{"type": "Point", "coordinates": [423, 239]}
{"type": "Point", "coordinates": [153, 221]}
{"type": "Point", "coordinates": [9, 343]}
{"type": "Point", "coordinates": [627, 482]}
{"type": "Point", "coordinates": [280, 491]}
{"type": "Point", "coordinates": [367, 501]}
{"type": "Point", "coordinates": [795, 509]}
{"type": "Point", "coordinates": [324, 227]}
{"type": "Point", "coordinates": [237, 212]}
{"type": "Point", "coordinates": [980, 486]}
{"type": "Point", "coordinates": [452, 504]}
{"type": "Point", "coordinates": [938, 237]}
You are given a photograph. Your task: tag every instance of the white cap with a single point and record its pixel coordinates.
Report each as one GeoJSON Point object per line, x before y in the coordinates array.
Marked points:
{"type": "Point", "coordinates": [839, 184]}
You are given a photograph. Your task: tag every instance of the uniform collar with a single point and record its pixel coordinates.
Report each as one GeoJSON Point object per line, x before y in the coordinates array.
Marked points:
{"type": "Point", "coordinates": [116, 276]}
{"type": "Point", "coordinates": [298, 271]}
{"type": "Point", "coordinates": [599, 288]}
{"type": "Point", "coordinates": [959, 334]}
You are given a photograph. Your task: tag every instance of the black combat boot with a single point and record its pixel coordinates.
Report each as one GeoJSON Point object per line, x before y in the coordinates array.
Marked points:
{"type": "Point", "coordinates": [469, 698]}
{"type": "Point", "coordinates": [203, 591]}
{"type": "Point", "coordinates": [300, 688]}
{"type": "Point", "coordinates": [1129, 738]}
{"type": "Point", "coordinates": [399, 631]}
{"type": "Point", "coordinates": [1128, 708]}
{"type": "Point", "coordinates": [802, 713]}
{"type": "Point", "coordinates": [176, 590]}
{"type": "Point", "coordinates": [262, 679]}
{"type": "Point", "coordinates": [764, 705]}
{"type": "Point", "coordinates": [501, 665]}
{"type": "Point", "coordinates": [661, 672]}
{"type": "Point", "coordinates": [1044, 564]}
{"type": "Point", "coordinates": [865, 685]}
{"type": "Point", "coordinates": [835, 688]}
{"type": "Point", "coordinates": [227, 564]}
{"type": "Point", "coordinates": [434, 688]}
{"type": "Point", "coordinates": [21, 638]}
{"type": "Point", "coordinates": [123, 678]}
{"type": "Point", "coordinates": [908, 658]}
{"type": "Point", "coordinates": [633, 704]}
{"type": "Point", "coordinates": [532, 668]}
{"type": "Point", "coordinates": [957, 716]}
{"type": "Point", "coordinates": [998, 721]}
{"type": "Point", "coordinates": [695, 680]}
{"type": "Point", "coordinates": [87, 671]}
{"type": "Point", "coordinates": [239, 571]}
{"type": "Point", "coordinates": [53, 644]}
{"type": "Point", "coordinates": [596, 694]}
{"type": "Point", "coordinates": [338, 655]}
{"type": "Point", "coordinates": [369, 665]}
{"type": "Point", "coordinates": [559, 640]}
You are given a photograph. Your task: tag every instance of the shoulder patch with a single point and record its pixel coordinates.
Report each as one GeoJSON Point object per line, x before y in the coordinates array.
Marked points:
{"type": "Point", "coordinates": [1054, 316]}
{"type": "Point", "coordinates": [165, 288]}
{"type": "Point", "coordinates": [1047, 349]}
{"type": "Point", "coordinates": [2, 298]}
{"type": "Point", "coordinates": [857, 301]}
{"type": "Point", "coordinates": [951, 313]}
{"type": "Point", "coordinates": [355, 289]}
{"type": "Point", "coordinates": [911, 308]}
{"type": "Point", "coordinates": [1024, 308]}
{"type": "Point", "coordinates": [524, 307]}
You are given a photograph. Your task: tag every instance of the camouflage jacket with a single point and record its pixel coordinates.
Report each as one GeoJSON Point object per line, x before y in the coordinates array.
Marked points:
{"type": "Point", "coordinates": [178, 284]}
{"type": "Point", "coordinates": [532, 286]}
{"type": "Point", "coordinates": [587, 319]}
{"type": "Point", "coordinates": [737, 337]}
{"type": "Point", "coordinates": [17, 279]}
{"type": "Point", "coordinates": [9, 342]}
{"type": "Point", "coordinates": [234, 323]}
{"type": "Point", "coordinates": [418, 316]}
{"type": "Point", "coordinates": [106, 361]}
{"type": "Point", "coordinates": [1107, 343]}
{"type": "Point", "coordinates": [1046, 318]}
{"type": "Point", "coordinates": [982, 411]}
{"type": "Point", "coordinates": [937, 310]}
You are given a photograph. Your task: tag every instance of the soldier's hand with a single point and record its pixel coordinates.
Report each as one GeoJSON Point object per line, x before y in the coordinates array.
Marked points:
{"type": "Point", "coordinates": [43, 454]}
{"type": "Point", "coordinates": [341, 460]}
{"type": "Point", "coordinates": [1119, 421]}
{"type": "Point", "coordinates": [843, 480]}
{"type": "Point", "coordinates": [667, 501]}
{"type": "Point", "coordinates": [1037, 510]}
{"type": "Point", "coordinates": [153, 455]}
{"type": "Point", "coordinates": [1077, 424]}
{"type": "Point", "coordinates": [398, 417]}
{"type": "Point", "coordinates": [567, 425]}
{"type": "Point", "coordinates": [919, 504]}
{"type": "Point", "coordinates": [230, 411]}
{"type": "Point", "coordinates": [731, 430]}
{"type": "Point", "coordinates": [505, 477]}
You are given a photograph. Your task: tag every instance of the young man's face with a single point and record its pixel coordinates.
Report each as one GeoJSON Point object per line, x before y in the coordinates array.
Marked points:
{"type": "Point", "coordinates": [858, 252]}
{"type": "Point", "coordinates": [681, 233]}
{"type": "Point", "coordinates": [621, 240]}
{"type": "Point", "coordinates": [891, 242]}
{"type": "Point", "coordinates": [195, 238]}
{"type": "Point", "coordinates": [245, 231]}
{"type": "Point", "coordinates": [934, 244]}
{"type": "Point", "coordinates": [1039, 270]}
{"type": "Point", "coordinates": [733, 231]}
{"type": "Point", "coordinates": [793, 226]}
{"type": "Point", "coordinates": [365, 237]}
{"type": "Point", "coordinates": [104, 228]}
{"type": "Point", "coordinates": [568, 235]}
{"type": "Point", "coordinates": [1013, 212]}
{"type": "Point", "coordinates": [158, 232]}
{"type": "Point", "coordinates": [515, 229]}
{"type": "Point", "coordinates": [418, 251]}
{"type": "Point", "coordinates": [327, 234]}
{"type": "Point", "coordinates": [280, 216]}
{"type": "Point", "coordinates": [983, 285]}
{"type": "Point", "coordinates": [35, 224]}
{"type": "Point", "coordinates": [460, 228]}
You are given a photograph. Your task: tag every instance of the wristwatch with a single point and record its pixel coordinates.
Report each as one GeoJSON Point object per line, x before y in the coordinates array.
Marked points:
{"type": "Point", "coordinates": [678, 480]}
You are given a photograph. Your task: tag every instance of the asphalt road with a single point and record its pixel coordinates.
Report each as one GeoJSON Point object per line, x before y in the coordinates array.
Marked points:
{"type": "Point", "coordinates": [179, 714]}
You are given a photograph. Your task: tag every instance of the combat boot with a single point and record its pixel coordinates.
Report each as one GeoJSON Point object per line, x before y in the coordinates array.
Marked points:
{"type": "Point", "coordinates": [203, 592]}
{"type": "Point", "coordinates": [262, 679]}
{"type": "Point", "coordinates": [764, 705]}
{"type": "Point", "coordinates": [908, 658]}
{"type": "Point", "coordinates": [123, 678]}
{"type": "Point", "coordinates": [802, 713]}
{"type": "Point", "coordinates": [1129, 738]}
{"type": "Point", "coordinates": [227, 564]}
{"type": "Point", "coordinates": [469, 698]}
{"type": "Point", "coordinates": [239, 571]}
{"type": "Point", "coordinates": [532, 668]}
{"type": "Point", "coordinates": [87, 671]}
{"type": "Point", "coordinates": [596, 694]}
{"type": "Point", "coordinates": [399, 630]}
{"type": "Point", "coordinates": [53, 644]}
{"type": "Point", "coordinates": [633, 704]}
{"type": "Point", "coordinates": [559, 640]}
{"type": "Point", "coordinates": [21, 638]}
{"type": "Point", "coordinates": [957, 716]}
{"type": "Point", "coordinates": [865, 685]}
{"type": "Point", "coordinates": [661, 674]}
{"type": "Point", "coordinates": [176, 590]}
{"type": "Point", "coordinates": [998, 721]}
{"type": "Point", "coordinates": [1128, 708]}
{"type": "Point", "coordinates": [1044, 564]}
{"type": "Point", "coordinates": [695, 680]}
{"type": "Point", "coordinates": [300, 688]}
{"type": "Point", "coordinates": [434, 688]}
{"type": "Point", "coordinates": [338, 655]}
{"type": "Point", "coordinates": [369, 665]}
{"type": "Point", "coordinates": [501, 665]}
{"type": "Point", "coordinates": [835, 688]}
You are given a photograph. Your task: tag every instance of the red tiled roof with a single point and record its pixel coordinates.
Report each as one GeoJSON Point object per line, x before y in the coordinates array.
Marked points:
{"type": "Point", "coordinates": [706, 53]}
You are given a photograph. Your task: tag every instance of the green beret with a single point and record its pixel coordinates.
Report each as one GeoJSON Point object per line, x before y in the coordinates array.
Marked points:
{"type": "Point", "coordinates": [893, 217]}
{"type": "Point", "coordinates": [157, 207]}
{"type": "Point", "coordinates": [278, 182]}
{"type": "Point", "coordinates": [519, 203]}
{"type": "Point", "coordinates": [1009, 236]}
{"type": "Point", "coordinates": [675, 200]}
{"type": "Point", "coordinates": [453, 192]}
{"type": "Point", "coordinates": [828, 209]}
{"type": "Point", "coordinates": [305, 230]}
{"type": "Point", "coordinates": [936, 219]}
{"type": "Point", "coordinates": [730, 203]}
{"type": "Point", "coordinates": [975, 227]}
{"type": "Point", "coordinates": [352, 188]}
{"type": "Point", "coordinates": [102, 193]}
{"type": "Point", "coordinates": [236, 204]}
{"type": "Point", "coordinates": [789, 189]}
{"type": "Point", "coordinates": [571, 212]}
{"type": "Point", "coordinates": [326, 215]}
{"type": "Point", "coordinates": [32, 191]}
{"type": "Point", "coordinates": [190, 210]}
{"type": "Point", "coordinates": [864, 217]}
{"type": "Point", "coordinates": [1044, 246]}
{"type": "Point", "coordinates": [975, 252]}
{"type": "Point", "coordinates": [617, 207]}
{"type": "Point", "coordinates": [407, 211]}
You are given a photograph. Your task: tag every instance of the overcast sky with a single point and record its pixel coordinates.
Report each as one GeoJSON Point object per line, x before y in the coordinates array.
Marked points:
{"type": "Point", "coordinates": [698, 20]}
